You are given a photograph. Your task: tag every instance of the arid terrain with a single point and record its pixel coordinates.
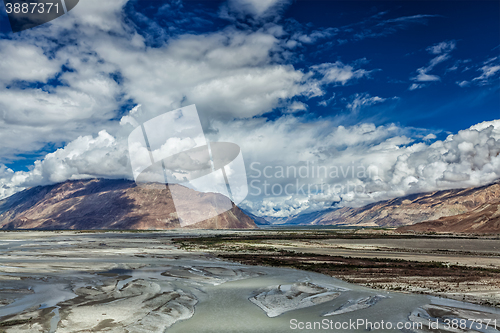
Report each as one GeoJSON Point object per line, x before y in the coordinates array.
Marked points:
{"type": "Point", "coordinates": [469, 210]}
{"type": "Point", "coordinates": [482, 220]}
{"type": "Point", "coordinates": [188, 281]}
{"type": "Point", "coordinates": [114, 204]}
{"type": "Point", "coordinates": [461, 268]}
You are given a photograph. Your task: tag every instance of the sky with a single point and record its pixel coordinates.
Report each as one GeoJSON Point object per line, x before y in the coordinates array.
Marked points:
{"type": "Point", "coordinates": [333, 103]}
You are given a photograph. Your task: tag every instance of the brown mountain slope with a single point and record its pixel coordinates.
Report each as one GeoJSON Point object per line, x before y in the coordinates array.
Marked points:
{"type": "Point", "coordinates": [109, 204]}
{"type": "Point", "coordinates": [482, 220]}
{"type": "Point", "coordinates": [413, 208]}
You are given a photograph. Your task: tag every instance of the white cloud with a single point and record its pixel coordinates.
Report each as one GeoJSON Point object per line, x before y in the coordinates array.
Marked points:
{"type": "Point", "coordinates": [488, 73]}
{"type": "Point", "coordinates": [338, 72]}
{"type": "Point", "coordinates": [85, 157]}
{"type": "Point", "coordinates": [255, 8]}
{"type": "Point", "coordinates": [429, 137]}
{"type": "Point", "coordinates": [437, 60]}
{"type": "Point", "coordinates": [399, 166]}
{"type": "Point", "coordinates": [312, 37]}
{"type": "Point", "coordinates": [21, 61]}
{"type": "Point", "coordinates": [459, 64]}
{"type": "Point", "coordinates": [234, 75]}
{"type": "Point", "coordinates": [443, 47]}
{"type": "Point", "coordinates": [424, 77]}
{"type": "Point", "coordinates": [412, 18]}
{"type": "Point", "coordinates": [86, 97]}
{"type": "Point", "coordinates": [490, 70]}
{"type": "Point", "coordinates": [391, 163]}
{"type": "Point", "coordinates": [327, 102]}
{"type": "Point", "coordinates": [296, 107]}
{"type": "Point", "coordinates": [230, 72]}
{"type": "Point", "coordinates": [361, 100]}
{"type": "Point", "coordinates": [415, 86]}
{"type": "Point", "coordinates": [442, 51]}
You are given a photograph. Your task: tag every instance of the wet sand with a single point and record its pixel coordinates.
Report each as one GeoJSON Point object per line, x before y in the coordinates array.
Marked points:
{"type": "Point", "coordinates": [142, 282]}
{"type": "Point", "coordinates": [460, 268]}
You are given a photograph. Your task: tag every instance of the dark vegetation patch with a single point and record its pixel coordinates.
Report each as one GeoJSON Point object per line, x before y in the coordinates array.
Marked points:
{"type": "Point", "coordinates": [14, 322]}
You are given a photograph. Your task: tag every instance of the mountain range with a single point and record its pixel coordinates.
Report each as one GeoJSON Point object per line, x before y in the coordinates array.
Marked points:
{"type": "Point", "coordinates": [110, 204]}
{"type": "Point", "coordinates": [483, 220]}
{"type": "Point", "coordinates": [121, 204]}
{"type": "Point", "coordinates": [475, 210]}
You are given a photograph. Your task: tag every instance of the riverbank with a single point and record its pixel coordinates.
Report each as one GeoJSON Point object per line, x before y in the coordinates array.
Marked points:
{"type": "Point", "coordinates": [132, 282]}
{"type": "Point", "coordinates": [459, 268]}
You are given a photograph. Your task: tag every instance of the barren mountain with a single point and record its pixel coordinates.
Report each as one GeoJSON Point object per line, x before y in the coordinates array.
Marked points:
{"type": "Point", "coordinates": [483, 220]}
{"type": "Point", "coordinates": [110, 204]}
{"type": "Point", "coordinates": [411, 209]}
{"type": "Point", "coordinates": [257, 219]}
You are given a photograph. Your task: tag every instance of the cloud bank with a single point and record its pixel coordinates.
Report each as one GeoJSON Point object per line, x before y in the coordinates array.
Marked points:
{"type": "Point", "coordinates": [357, 165]}
{"type": "Point", "coordinates": [87, 91]}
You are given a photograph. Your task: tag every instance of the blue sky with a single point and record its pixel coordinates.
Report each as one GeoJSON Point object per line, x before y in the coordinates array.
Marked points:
{"type": "Point", "coordinates": [393, 86]}
{"type": "Point", "coordinates": [391, 39]}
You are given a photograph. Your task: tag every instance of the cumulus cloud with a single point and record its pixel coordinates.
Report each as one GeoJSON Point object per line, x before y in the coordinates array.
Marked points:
{"type": "Point", "coordinates": [327, 164]}
{"type": "Point", "coordinates": [231, 73]}
{"type": "Point", "coordinates": [234, 75]}
{"type": "Point", "coordinates": [365, 165]}
{"type": "Point", "coordinates": [85, 157]}
{"type": "Point", "coordinates": [429, 137]}
{"type": "Point", "coordinates": [24, 62]}
{"type": "Point", "coordinates": [104, 63]}
{"type": "Point", "coordinates": [57, 90]}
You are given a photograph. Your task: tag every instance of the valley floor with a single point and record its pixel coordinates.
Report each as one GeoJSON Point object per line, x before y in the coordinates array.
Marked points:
{"type": "Point", "coordinates": [456, 267]}
{"type": "Point", "coordinates": [193, 281]}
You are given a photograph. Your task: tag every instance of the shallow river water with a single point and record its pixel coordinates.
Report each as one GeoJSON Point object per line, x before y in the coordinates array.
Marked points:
{"type": "Point", "coordinates": [141, 283]}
